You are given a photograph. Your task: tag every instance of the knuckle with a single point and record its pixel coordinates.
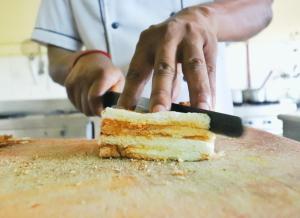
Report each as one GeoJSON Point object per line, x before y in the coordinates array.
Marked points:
{"type": "Point", "coordinates": [170, 29]}
{"type": "Point", "coordinates": [211, 69]}
{"type": "Point", "coordinates": [164, 69]}
{"type": "Point", "coordinates": [142, 39]}
{"type": "Point", "coordinates": [195, 64]}
{"type": "Point", "coordinates": [151, 27]}
{"type": "Point", "coordinates": [192, 28]}
{"type": "Point", "coordinates": [134, 76]}
{"type": "Point", "coordinates": [143, 34]}
{"type": "Point", "coordinates": [188, 10]}
{"type": "Point", "coordinates": [172, 25]}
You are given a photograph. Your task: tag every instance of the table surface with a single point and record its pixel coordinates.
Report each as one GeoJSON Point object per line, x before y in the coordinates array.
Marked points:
{"type": "Point", "coordinates": [257, 175]}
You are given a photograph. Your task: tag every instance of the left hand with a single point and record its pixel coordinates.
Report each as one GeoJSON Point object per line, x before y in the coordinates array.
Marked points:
{"type": "Point", "coordinates": [190, 38]}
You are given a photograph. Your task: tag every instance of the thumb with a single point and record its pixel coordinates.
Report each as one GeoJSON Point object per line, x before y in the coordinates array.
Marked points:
{"type": "Point", "coordinates": [118, 87]}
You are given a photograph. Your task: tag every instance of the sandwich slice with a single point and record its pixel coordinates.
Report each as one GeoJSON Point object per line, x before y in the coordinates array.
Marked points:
{"type": "Point", "coordinates": [156, 136]}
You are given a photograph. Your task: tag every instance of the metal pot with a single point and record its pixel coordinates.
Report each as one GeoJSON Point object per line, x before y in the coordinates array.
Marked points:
{"type": "Point", "coordinates": [254, 95]}
{"type": "Point", "coordinates": [257, 95]}
{"type": "Point", "coordinates": [237, 97]}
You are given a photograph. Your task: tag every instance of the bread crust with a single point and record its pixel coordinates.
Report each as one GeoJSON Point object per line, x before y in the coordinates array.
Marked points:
{"type": "Point", "coordinates": [115, 151]}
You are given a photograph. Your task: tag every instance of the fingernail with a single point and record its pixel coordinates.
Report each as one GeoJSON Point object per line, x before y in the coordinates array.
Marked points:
{"type": "Point", "coordinates": [158, 108]}
{"type": "Point", "coordinates": [204, 106]}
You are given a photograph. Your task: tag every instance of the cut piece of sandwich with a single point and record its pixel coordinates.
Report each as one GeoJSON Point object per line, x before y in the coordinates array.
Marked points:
{"type": "Point", "coordinates": [156, 136]}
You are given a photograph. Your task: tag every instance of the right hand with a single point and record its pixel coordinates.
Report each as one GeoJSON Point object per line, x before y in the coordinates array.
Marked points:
{"type": "Point", "coordinates": [89, 79]}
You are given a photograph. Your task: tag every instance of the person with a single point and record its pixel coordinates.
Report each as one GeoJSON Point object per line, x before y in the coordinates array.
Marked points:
{"type": "Point", "coordinates": [179, 57]}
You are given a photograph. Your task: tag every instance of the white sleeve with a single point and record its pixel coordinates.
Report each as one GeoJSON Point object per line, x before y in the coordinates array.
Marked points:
{"type": "Point", "coordinates": [55, 25]}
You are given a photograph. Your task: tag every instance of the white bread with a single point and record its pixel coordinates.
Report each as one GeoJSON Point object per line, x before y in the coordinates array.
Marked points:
{"type": "Point", "coordinates": [156, 136]}
{"type": "Point", "coordinates": [196, 120]}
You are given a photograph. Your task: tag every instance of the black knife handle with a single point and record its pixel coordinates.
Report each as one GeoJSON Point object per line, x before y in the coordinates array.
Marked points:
{"type": "Point", "coordinates": [110, 99]}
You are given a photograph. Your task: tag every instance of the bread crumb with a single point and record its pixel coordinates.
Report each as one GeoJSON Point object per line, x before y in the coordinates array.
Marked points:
{"type": "Point", "coordinates": [117, 170]}
{"type": "Point", "coordinates": [217, 155]}
{"type": "Point", "coordinates": [73, 172]}
{"type": "Point", "coordinates": [35, 205]}
{"type": "Point", "coordinates": [6, 140]}
{"type": "Point", "coordinates": [178, 172]}
{"type": "Point", "coordinates": [35, 157]}
{"type": "Point", "coordinates": [78, 184]}
{"type": "Point", "coordinates": [142, 166]}
{"type": "Point", "coordinates": [204, 157]}
{"type": "Point", "coordinates": [26, 172]}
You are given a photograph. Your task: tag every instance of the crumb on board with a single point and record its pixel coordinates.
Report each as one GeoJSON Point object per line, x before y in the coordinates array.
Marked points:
{"type": "Point", "coordinates": [177, 172]}
{"type": "Point", "coordinates": [6, 140]}
{"type": "Point", "coordinates": [35, 205]}
{"type": "Point", "coordinates": [217, 155]}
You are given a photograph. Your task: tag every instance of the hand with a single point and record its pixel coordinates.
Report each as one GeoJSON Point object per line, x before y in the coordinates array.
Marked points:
{"type": "Point", "coordinates": [89, 79]}
{"type": "Point", "coordinates": [189, 38]}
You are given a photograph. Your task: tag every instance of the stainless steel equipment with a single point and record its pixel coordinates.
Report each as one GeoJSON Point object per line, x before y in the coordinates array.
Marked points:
{"type": "Point", "coordinates": [258, 95]}
{"type": "Point", "coordinates": [45, 119]}
{"type": "Point", "coordinates": [291, 125]}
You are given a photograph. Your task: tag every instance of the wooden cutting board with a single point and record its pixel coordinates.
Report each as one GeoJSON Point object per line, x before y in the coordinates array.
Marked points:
{"type": "Point", "coordinates": [258, 176]}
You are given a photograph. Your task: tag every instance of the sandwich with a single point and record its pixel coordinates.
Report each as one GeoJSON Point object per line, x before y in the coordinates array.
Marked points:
{"type": "Point", "coordinates": [156, 136]}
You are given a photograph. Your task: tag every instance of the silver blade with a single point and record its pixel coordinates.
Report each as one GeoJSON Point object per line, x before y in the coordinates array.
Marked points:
{"type": "Point", "coordinates": [143, 105]}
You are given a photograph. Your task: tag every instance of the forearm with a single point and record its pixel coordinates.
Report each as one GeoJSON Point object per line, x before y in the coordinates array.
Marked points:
{"type": "Point", "coordinates": [237, 20]}
{"type": "Point", "coordinates": [60, 61]}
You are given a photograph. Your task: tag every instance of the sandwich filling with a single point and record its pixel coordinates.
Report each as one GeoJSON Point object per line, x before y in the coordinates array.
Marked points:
{"type": "Point", "coordinates": [156, 136]}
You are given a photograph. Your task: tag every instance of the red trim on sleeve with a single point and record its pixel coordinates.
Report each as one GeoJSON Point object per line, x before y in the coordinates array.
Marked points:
{"type": "Point", "coordinates": [87, 52]}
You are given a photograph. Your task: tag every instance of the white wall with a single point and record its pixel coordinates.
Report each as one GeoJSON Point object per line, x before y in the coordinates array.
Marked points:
{"type": "Point", "coordinates": [18, 81]}
{"type": "Point", "coordinates": [280, 56]}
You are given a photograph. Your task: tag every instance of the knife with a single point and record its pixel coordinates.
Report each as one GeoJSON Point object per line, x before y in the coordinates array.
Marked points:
{"type": "Point", "coordinates": [220, 123]}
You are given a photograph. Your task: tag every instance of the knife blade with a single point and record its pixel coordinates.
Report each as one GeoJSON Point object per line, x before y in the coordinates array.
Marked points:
{"type": "Point", "coordinates": [220, 123]}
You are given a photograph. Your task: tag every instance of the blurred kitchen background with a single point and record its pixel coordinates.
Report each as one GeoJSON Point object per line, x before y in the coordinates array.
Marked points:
{"type": "Point", "coordinates": [264, 74]}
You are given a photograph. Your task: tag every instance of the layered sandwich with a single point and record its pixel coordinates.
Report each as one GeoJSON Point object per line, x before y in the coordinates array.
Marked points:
{"type": "Point", "coordinates": [156, 136]}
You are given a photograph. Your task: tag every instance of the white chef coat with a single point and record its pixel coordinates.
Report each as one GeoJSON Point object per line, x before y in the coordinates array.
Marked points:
{"type": "Point", "coordinates": [115, 26]}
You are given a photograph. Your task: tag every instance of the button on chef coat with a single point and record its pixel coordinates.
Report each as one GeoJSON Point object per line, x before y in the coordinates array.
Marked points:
{"type": "Point", "coordinates": [115, 26]}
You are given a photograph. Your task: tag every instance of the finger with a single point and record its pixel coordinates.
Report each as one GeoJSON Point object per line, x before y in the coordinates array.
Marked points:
{"type": "Point", "coordinates": [77, 98]}
{"type": "Point", "coordinates": [73, 91]}
{"type": "Point", "coordinates": [176, 83]}
{"type": "Point", "coordinates": [210, 53]}
{"type": "Point", "coordinates": [70, 94]}
{"type": "Point", "coordinates": [119, 86]}
{"type": "Point", "coordinates": [138, 74]}
{"type": "Point", "coordinates": [70, 91]}
{"type": "Point", "coordinates": [194, 69]}
{"type": "Point", "coordinates": [94, 98]}
{"type": "Point", "coordinates": [99, 87]}
{"type": "Point", "coordinates": [163, 77]}
{"type": "Point", "coordinates": [84, 102]}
